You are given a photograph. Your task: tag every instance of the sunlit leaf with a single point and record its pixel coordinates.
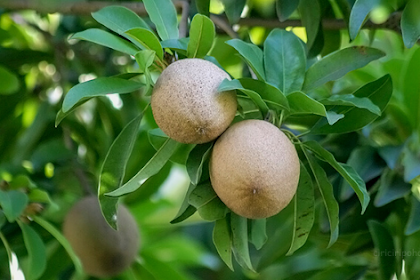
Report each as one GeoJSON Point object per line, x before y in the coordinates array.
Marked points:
{"type": "Point", "coordinates": [113, 169]}
{"type": "Point", "coordinates": [202, 34]}
{"type": "Point", "coordinates": [37, 255]}
{"type": "Point", "coordinates": [104, 38]}
{"type": "Point", "coordinates": [410, 23]}
{"type": "Point", "coordinates": [252, 54]}
{"type": "Point", "coordinates": [337, 64]}
{"type": "Point", "coordinates": [222, 239]}
{"type": "Point", "coordinates": [145, 39]}
{"type": "Point", "coordinates": [284, 60]}
{"type": "Point", "coordinates": [346, 171]}
{"type": "Point", "coordinates": [304, 211]}
{"type": "Point", "coordinates": [351, 100]}
{"type": "Point", "coordinates": [163, 14]}
{"type": "Point", "coordinates": [384, 243]}
{"type": "Point", "coordinates": [149, 169]}
{"type": "Point", "coordinates": [13, 203]}
{"type": "Point", "coordinates": [359, 12]}
{"type": "Point", "coordinates": [239, 228]}
{"type": "Point", "coordinates": [119, 19]}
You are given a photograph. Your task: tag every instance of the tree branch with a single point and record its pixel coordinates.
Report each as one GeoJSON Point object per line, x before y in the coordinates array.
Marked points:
{"type": "Point", "coordinates": [86, 8]}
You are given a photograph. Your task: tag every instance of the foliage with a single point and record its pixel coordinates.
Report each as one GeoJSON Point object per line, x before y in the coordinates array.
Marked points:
{"type": "Point", "coordinates": [348, 100]}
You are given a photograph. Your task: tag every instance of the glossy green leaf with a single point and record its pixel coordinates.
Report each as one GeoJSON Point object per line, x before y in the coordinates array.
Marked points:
{"type": "Point", "coordinates": [203, 7]}
{"type": "Point", "coordinates": [202, 195]}
{"type": "Point", "coordinates": [146, 40]}
{"type": "Point", "coordinates": [310, 13]}
{"type": "Point", "coordinates": [104, 38]}
{"type": "Point", "coordinates": [9, 82]}
{"type": "Point", "coordinates": [113, 169]}
{"type": "Point", "coordinates": [301, 103]}
{"type": "Point", "coordinates": [359, 13]}
{"type": "Point", "coordinates": [285, 8]}
{"type": "Point", "coordinates": [385, 249]}
{"type": "Point", "coordinates": [284, 60]}
{"type": "Point", "coordinates": [233, 9]}
{"type": "Point", "coordinates": [222, 239]}
{"type": "Point", "coordinates": [62, 240]}
{"type": "Point", "coordinates": [304, 210]}
{"type": "Point", "coordinates": [13, 204]}
{"type": "Point", "coordinates": [149, 169]}
{"type": "Point", "coordinates": [258, 232]}
{"type": "Point", "coordinates": [379, 92]}
{"type": "Point", "coordinates": [413, 224]}
{"type": "Point", "coordinates": [337, 64]}
{"type": "Point", "coordinates": [351, 100]}
{"type": "Point", "coordinates": [97, 87]}
{"type": "Point", "coordinates": [186, 210]}
{"type": "Point", "coordinates": [37, 256]}
{"type": "Point", "coordinates": [239, 228]}
{"type": "Point", "coordinates": [202, 34]}
{"type": "Point", "coordinates": [196, 159]}
{"type": "Point", "coordinates": [145, 59]}
{"type": "Point", "coordinates": [213, 210]}
{"type": "Point", "coordinates": [411, 88]}
{"type": "Point", "coordinates": [163, 14]}
{"type": "Point", "coordinates": [119, 19]}
{"type": "Point", "coordinates": [327, 192]}
{"type": "Point", "coordinates": [178, 45]}
{"type": "Point", "coordinates": [410, 23]}
{"type": "Point", "coordinates": [236, 85]}
{"type": "Point", "coordinates": [346, 171]}
{"type": "Point", "coordinates": [252, 55]}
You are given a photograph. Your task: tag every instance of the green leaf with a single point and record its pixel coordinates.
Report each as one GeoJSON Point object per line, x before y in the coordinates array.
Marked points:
{"type": "Point", "coordinates": [236, 85]}
{"type": "Point", "coordinates": [202, 195]}
{"type": "Point", "coordinates": [411, 258]}
{"type": "Point", "coordinates": [62, 240]}
{"type": "Point", "coordinates": [186, 210]}
{"type": "Point", "coordinates": [391, 187]}
{"type": "Point", "coordinates": [252, 55]}
{"type": "Point", "coordinates": [41, 196]}
{"type": "Point", "coordinates": [37, 256]}
{"type": "Point", "coordinates": [146, 40]}
{"type": "Point", "coordinates": [349, 272]}
{"type": "Point", "coordinates": [301, 103]}
{"type": "Point", "coordinates": [9, 82]}
{"type": "Point", "coordinates": [203, 7]}
{"type": "Point", "coordinates": [104, 38]}
{"type": "Point", "coordinates": [163, 14]}
{"type": "Point", "coordinates": [119, 19]}
{"type": "Point", "coordinates": [413, 224]}
{"type": "Point", "coordinates": [258, 233]}
{"type": "Point", "coordinates": [213, 210]}
{"type": "Point", "coordinates": [384, 244]}
{"type": "Point", "coordinates": [310, 13]}
{"type": "Point", "coordinates": [353, 101]}
{"type": "Point", "coordinates": [284, 61]}
{"type": "Point", "coordinates": [285, 8]}
{"type": "Point", "coordinates": [145, 59]}
{"type": "Point", "coordinates": [304, 211]}
{"type": "Point", "coordinates": [359, 13]}
{"type": "Point", "coordinates": [196, 160]}
{"type": "Point", "coordinates": [239, 228]}
{"type": "Point", "coordinates": [113, 169]}
{"type": "Point", "coordinates": [410, 23]}
{"type": "Point", "coordinates": [411, 88]}
{"type": "Point", "coordinates": [346, 171]}
{"type": "Point", "coordinates": [379, 92]}
{"type": "Point", "coordinates": [202, 34]}
{"type": "Point", "coordinates": [337, 64]}
{"type": "Point", "coordinates": [13, 204]}
{"type": "Point", "coordinates": [149, 169]}
{"type": "Point", "coordinates": [233, 9]}
{"type": "Point", "coordinates": [178, 45]}
{"type": "Point", "coordinates": [97, 87]}
{"type": "Point", "coordinates": [2, 219]}
{"type": "Point", "coordinates": [222, 239]}
{"type": "Point", "coordinates": [327, 192]}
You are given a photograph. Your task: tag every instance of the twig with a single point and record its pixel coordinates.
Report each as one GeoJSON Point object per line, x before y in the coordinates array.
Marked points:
{"type": "Point", "coordinates": [223, 24]}
{"type": "Point", "coordinates": [183, 24]}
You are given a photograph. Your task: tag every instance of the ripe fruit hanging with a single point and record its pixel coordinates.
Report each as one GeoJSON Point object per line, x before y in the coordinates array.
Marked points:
{"type": "Point", "coordinates": [103, 251]}
{"type": "Point", "coordinates": [186, 104]}
{"type": "Point", "coordinates": [254, 169]}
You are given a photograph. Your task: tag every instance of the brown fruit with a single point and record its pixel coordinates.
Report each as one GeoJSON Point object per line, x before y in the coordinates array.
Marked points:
{"type": "Point", "coordinates": [103, 251]}
{"type": "Point", "coordinates": [186, 104]}
{"type": "Point", "coordinates": [254, 169]}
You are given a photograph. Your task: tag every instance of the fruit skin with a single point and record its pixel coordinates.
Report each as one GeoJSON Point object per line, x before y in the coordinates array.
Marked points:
{"type": "Point", "coordinates": [186, 104]}
{"type": "Point", "coordinates": [254, 169]}
{"type": "Point", "coordinates": [103, 251]}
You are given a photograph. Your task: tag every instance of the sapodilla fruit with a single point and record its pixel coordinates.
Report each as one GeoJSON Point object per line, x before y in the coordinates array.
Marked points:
{"type": "Point", "coordinates": [186, 104]}
{"type": "Point", "coordinates": [254, 169]}
{"type": "Point", "coordinates": [103, 251]}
